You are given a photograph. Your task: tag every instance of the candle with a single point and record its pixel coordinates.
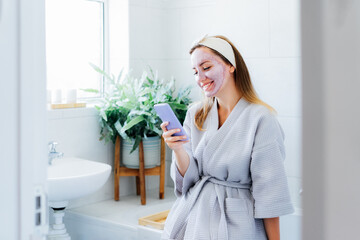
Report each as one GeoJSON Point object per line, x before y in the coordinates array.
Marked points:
{"type": "Point", "coordinates": [71, 96]}
{"type": "Point", "coordinates": [56, 96]}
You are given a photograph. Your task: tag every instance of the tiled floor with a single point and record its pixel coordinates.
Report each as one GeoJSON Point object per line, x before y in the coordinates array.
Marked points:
{"type": "Point", "coordinates": [110, 220]}
{"type": "Point", "coordinates": [128, 210]}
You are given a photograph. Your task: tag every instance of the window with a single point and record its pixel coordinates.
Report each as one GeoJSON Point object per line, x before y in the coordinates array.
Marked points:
{"type": "Point", "coordinates": [75, 36]}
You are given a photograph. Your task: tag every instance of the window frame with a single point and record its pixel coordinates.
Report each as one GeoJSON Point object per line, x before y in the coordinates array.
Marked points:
{"type": "Point", "coordinates": [106, 59]}
{"type": "Point", "coordinates": [105, 51]}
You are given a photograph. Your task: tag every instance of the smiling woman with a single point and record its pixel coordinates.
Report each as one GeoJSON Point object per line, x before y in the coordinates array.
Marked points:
{"type": "Point", "coordinates": [229, 177]}
{"type": "Point", "coordinates": [209, 72]}
{"type": "Point", "coordinates": [72, 42]}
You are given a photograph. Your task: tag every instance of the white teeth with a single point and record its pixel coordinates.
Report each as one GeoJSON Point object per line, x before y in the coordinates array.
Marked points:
{"type": "Point", "coordinates": [206, 86]}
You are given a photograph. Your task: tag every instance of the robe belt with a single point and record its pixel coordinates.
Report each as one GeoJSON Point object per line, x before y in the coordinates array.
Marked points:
{"type": "Point", "coordinates": [220, 193]}
{"type": "Point", "coordinates": [191, 199]}
{"type": "Point", "coordinates": [229, 184]}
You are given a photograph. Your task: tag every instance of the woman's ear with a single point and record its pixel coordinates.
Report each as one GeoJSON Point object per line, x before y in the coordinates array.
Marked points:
{"type": "Point", "coordinates": [232, 69]}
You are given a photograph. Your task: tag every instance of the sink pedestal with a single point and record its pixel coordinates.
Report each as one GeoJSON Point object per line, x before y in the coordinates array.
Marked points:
{"type": "Point", "coordinates": [57, 230]}
{"type": "Point", "coordinates": [70, 178]}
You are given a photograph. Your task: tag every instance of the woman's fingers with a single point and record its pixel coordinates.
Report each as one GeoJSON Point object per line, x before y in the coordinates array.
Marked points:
{"type": "Point", "coordinates": [176, 145]}
{"type": "Point", "coordinates": [175, 139]}
{"type": "Point", "coordinates": [163, 126]}
{"type": "Point", "coordinates": [174, 142]}
{"type": "Point", "coordinates": [169, 133]}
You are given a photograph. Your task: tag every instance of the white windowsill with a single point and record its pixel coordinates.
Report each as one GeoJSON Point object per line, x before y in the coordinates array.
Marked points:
{"type": "Point", "coordinates": [88, 111]}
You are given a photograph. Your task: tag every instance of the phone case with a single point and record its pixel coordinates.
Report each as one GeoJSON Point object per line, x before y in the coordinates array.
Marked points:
{"type": "Point", "coordinates": [166, 114]}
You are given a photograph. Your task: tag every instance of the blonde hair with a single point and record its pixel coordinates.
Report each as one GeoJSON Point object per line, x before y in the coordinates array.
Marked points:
{"type": "Point", "coordinates": [242, 82]}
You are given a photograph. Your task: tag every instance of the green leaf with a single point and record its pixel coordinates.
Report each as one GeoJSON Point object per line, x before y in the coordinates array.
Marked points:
{"type": "Point", "coordinates": [180, 106]}
{"type": "Point", "coordinates": [146, 91]}
{"type": "Point", "coordinates": [99, 70]}
{"type": "Point", "coordinates": [126, 105]}
{"type": "Point", "coordinates": [158, 131]}
{"type": "Point", "coordinates": [149, 80]}
{"type": "Point", "coordinates": [139, 112]}
{"type": "Point", "coordinates": [136, 143]}
{"type": "Point", "coordinates": [90, 90]}
{"type": "Point", "coordinates": [103, 114]}
{"type": "Point", "coordinates": [151, 71]}
{"type": "Point", "coordinates": [119, 76]}
{"type": "Point", "coordinates": [132, 123]}
{"type": "Point", "coordinates": [118, 126]}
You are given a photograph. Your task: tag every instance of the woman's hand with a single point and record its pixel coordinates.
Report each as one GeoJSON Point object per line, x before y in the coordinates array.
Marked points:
{"type": "Point", "coordinates": [182, 158]}
{"type": "Point", "coordinates": [172, 141]}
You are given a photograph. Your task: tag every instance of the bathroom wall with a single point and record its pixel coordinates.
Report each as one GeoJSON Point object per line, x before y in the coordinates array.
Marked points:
{"type": "Point", "coordinates": [77, 130]}
{"type": "Point", "coordinates": [160, 34]}
{"type": "Point", "coordinates": [267, 34]}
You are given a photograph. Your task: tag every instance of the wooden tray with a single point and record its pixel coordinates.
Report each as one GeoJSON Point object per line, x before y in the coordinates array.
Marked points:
{"type": "Point", "coordinates": [67, 105]}
{"type": "Point", "coordinates": [156, 220]}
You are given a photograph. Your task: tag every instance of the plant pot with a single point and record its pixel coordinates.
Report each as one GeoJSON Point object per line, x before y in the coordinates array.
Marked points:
{"type": "Point", "coordinates": [151, 153]}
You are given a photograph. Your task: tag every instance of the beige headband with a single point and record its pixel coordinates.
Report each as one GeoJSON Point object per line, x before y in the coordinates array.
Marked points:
{"type": "Point", "coordinates": [221, 46]}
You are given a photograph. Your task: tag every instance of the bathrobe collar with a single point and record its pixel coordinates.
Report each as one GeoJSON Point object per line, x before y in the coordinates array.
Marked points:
{"type": "Point", "coordinates": [213, 117]}
{"type": "Point", "coordinates": [214, 136]}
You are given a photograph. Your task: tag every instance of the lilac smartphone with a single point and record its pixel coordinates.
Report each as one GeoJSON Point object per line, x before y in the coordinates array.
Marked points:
{"type": "Point", "coordinates": [167, 115]}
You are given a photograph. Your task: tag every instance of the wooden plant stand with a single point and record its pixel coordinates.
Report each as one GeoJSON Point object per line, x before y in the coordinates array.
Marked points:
{"type": "Point", "coordinates": [139, 173]}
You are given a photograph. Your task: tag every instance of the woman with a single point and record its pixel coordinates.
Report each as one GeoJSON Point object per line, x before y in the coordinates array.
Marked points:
{"type": "Point", "coordinates": [229, 177]}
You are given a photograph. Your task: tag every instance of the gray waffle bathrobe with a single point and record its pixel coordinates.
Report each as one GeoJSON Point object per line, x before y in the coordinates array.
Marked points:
{"type": "Point", "coordinates": [236, 177]}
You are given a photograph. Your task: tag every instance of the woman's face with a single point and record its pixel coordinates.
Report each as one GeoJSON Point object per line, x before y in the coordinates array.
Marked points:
{"type": "Point", "coordinates": [210, 70]}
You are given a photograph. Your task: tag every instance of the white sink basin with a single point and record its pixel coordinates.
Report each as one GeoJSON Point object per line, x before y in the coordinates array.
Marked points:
{"type": "Point", "coordinates": [70, 178]}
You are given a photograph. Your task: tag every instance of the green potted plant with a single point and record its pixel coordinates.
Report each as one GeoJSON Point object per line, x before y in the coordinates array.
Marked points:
{"type": "Point", "coordinates": [127, 109]}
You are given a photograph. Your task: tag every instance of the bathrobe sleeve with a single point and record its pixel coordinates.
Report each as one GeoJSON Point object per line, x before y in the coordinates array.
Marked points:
{"type": "Point", "coordinates": [184, 183]}
{"type": "Point", "coordinates": [269, 182]}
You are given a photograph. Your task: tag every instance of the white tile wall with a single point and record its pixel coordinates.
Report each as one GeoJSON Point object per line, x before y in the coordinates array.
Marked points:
{"type": "Point", "coordinates": [161, 33]}
{"type": "Point", "coordinates": [118, 30]}
{"type": "Point", "coordinates": [295, 187]}
{"type": "Point", "coordinates": [284, 28]}
{"type": "Point", "coordinates": [146, 33]}
{"type": "Point", "coordinates": [277, 81]}
{"type": "Point", "coordinates": [137, 3]}
{"type": "Point", "coordinates": [77, 134]}
{"type": "Point", "coordinates": [292, 130]}
{"type": "Point", "coordinates": [172, 33]}
{"type": "Point", "coordinates": [246, 23]}
{"type": "Point", "coordinates": [138, 66]}
{"type": "Point", "coordinates": [195, 23]}
{"type": "Point", "coordinates": [182, 71]}
{"type": "Point", "coordinates": [267, 34]}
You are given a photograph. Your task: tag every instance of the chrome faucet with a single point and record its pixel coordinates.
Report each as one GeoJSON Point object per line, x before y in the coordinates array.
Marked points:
{"type": "Point", "coordinates": [53, 154]}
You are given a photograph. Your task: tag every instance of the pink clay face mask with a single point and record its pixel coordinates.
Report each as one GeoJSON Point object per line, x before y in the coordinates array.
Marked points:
{"type": "Point", "coordinates": [209, 71]}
